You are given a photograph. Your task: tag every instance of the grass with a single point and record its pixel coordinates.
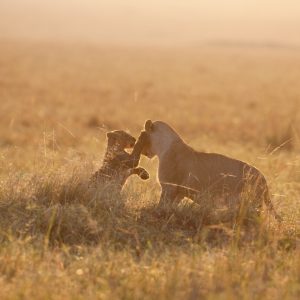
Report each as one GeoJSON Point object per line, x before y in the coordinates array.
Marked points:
{"type": "Point", "coordinates": [62, 240]}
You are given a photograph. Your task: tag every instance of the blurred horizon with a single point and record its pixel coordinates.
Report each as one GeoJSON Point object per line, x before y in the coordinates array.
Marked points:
{"type": "Point", "coordinates": [152, 23]}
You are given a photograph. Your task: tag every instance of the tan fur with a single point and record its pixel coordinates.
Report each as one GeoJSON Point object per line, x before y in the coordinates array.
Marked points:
{"type": "Point", "coordinates": [118, 164]}
{"type": "Point", "coordinates": [185, 172]}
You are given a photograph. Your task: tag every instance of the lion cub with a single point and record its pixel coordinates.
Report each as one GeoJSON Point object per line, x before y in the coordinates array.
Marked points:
{"type": "Point", "coordinates": [118, 164]}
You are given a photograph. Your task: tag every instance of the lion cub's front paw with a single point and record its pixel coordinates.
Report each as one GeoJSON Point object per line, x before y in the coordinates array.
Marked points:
{"type": "Point", "coordinates": [143, 173]}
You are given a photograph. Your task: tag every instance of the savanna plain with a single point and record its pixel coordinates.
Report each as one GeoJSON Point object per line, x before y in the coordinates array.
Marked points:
{"type": "Point", "coordinates": [61, 240]}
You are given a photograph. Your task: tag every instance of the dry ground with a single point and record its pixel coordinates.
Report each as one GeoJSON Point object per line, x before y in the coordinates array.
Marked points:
{"type": "Point", "coordinates": [59, 240]}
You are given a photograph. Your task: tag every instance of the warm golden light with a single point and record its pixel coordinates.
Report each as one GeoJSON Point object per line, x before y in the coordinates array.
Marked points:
{"type": "Point", "coordinates": [152, 22]}
{"type": "Point", "coordinates": [149, 149]}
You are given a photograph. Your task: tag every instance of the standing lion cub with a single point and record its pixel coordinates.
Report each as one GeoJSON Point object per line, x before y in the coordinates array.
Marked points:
{"type": "Point", "coordinates": [118, 164]}
{"type": "Point", "coordinates": [185, 172]}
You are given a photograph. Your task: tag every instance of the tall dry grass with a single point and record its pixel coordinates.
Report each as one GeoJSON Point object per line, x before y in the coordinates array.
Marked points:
{"type": "Point", "coordinates": [61, 239]}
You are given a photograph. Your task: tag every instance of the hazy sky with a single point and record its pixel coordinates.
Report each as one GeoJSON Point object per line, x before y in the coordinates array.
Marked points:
{"type": "Point", "coordinates": [152, 21]}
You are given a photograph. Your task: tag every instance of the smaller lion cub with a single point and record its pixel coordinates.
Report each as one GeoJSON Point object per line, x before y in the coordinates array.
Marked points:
{"type": "Point", "coordinates": [118, 164]}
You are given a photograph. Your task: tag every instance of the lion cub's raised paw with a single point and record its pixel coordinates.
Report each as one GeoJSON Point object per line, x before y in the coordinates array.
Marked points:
{"type": "Point", "coordinates": [142, 173]}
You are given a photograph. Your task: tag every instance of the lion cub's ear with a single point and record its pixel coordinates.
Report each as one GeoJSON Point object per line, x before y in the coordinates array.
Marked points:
{"type": "Point", "coordinates": [111, 134]}
{"type": "Point", "coordinates": [148, 125]}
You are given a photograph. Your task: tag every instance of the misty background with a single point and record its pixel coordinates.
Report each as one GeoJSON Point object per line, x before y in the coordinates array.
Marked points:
{"type": "Point", "coordinates": [155, 22]}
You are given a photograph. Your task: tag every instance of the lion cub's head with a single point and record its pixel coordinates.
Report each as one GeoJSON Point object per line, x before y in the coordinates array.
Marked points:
{"type": "Point", "coordinates": [120, 139]}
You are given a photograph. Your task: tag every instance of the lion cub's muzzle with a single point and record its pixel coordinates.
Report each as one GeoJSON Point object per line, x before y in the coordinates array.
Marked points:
{"type": "Point", "coordinates": [130, 143]}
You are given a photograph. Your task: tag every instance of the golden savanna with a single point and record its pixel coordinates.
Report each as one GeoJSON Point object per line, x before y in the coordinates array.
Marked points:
{"type": "Point", "coordinates": [69, 78]}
